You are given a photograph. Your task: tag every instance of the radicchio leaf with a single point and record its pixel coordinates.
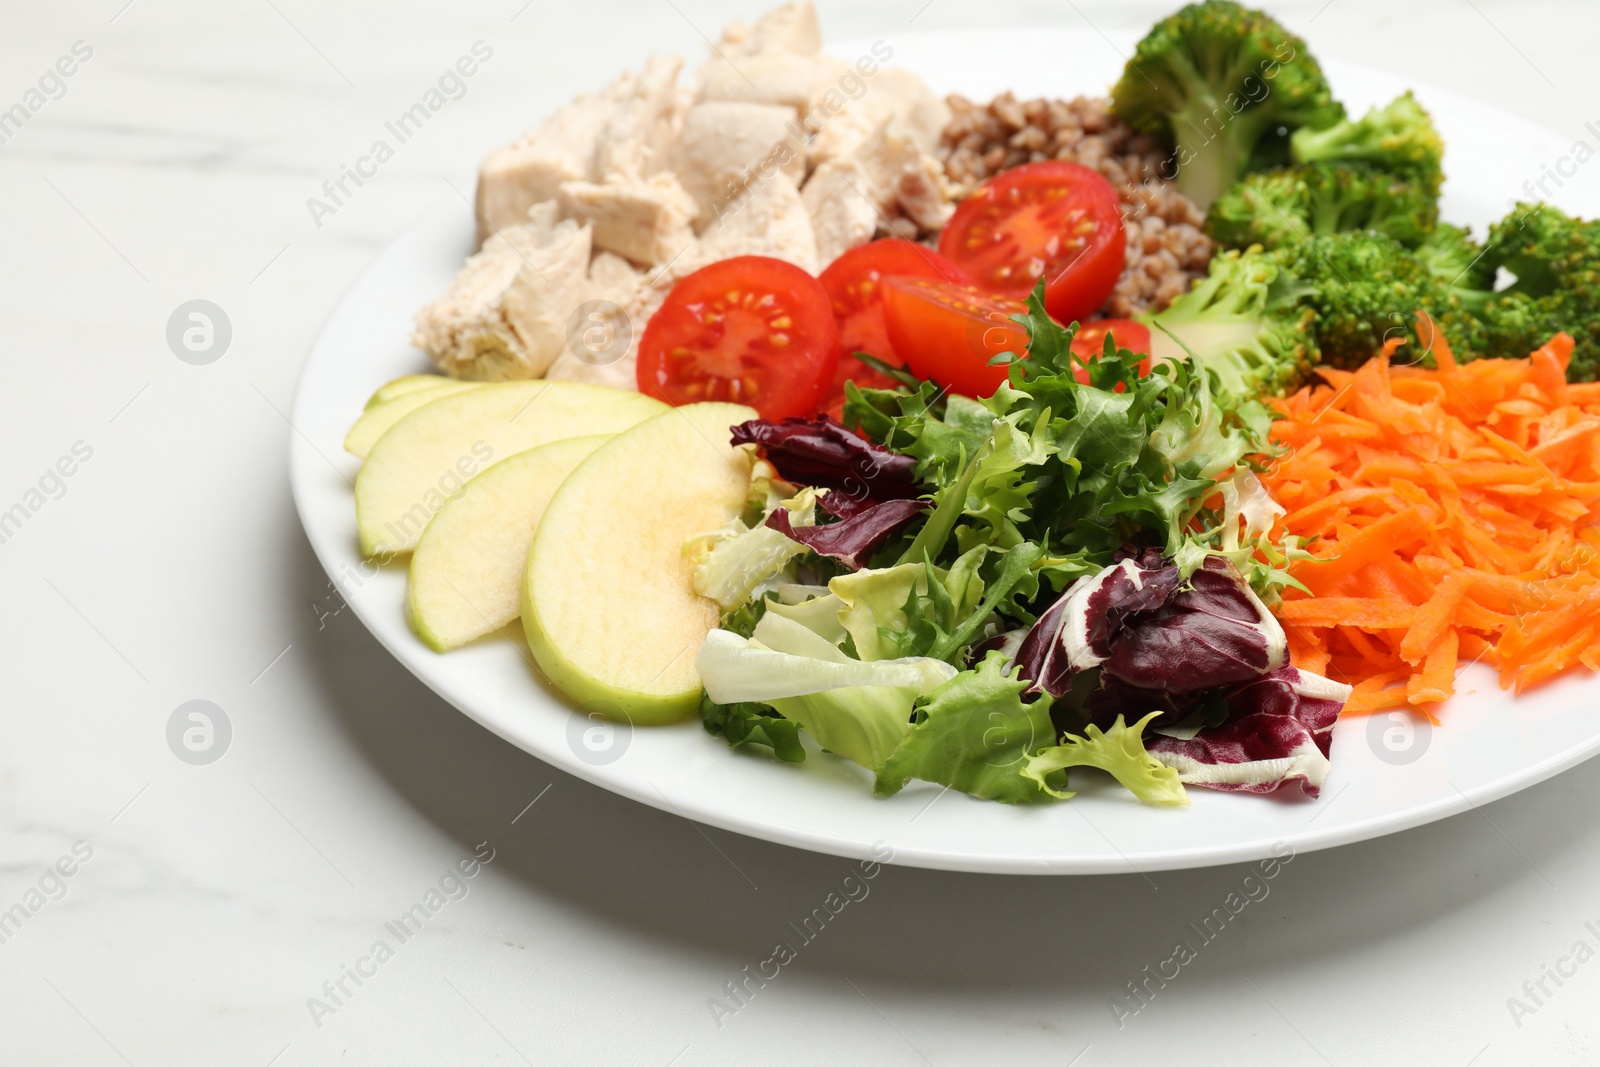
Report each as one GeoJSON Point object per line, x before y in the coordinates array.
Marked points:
{"type": "Point", "coordinates": [854, 538]}
{"type": "Point", "coordinates": [1211, 631]}
{"type": "Point", "coordinates": [1041, 657]}
{"type": "Point", "coordinates": [1145, 626]}
{"type": "Point", "coordinates": [842, 505]}
{"type": "Point", "coordinates": [823, 453]}
{"type": "Point", "coordinates": [1113, 697]}
{"type": "Point", "coordinates": [1007, 643]}
{"type": "Point", "coordinates": [1279, 729]}
{"type": "Point", "coordinates": [1181, 648]}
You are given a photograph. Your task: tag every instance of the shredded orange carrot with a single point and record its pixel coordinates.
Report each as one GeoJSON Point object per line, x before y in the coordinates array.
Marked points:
{"type": "Point", "coordinates": [1453, 513]}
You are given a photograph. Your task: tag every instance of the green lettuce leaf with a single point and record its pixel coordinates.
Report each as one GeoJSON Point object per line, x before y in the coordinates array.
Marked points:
{"type": "Point", "coordinates": [750, 723]}
{"type": "Point", "coordinates": [737, 668]}
{"type": "Point", "coordinates": [730, 564]}
{"type": "Point", "coordinates": [943, 431]}
{"type": "Point", "coordinates": [1118, 751]}
{"type": "Point", "coordinates": [975, 734]}
{"type": "Point", "coordinates": [864, 724]}
{"type": "Point", "coordinates": [857, 709]}
{"type": "Point", "coordinates": [905, 609]}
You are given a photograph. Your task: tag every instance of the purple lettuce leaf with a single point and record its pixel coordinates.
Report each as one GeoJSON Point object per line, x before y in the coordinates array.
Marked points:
{"type": "Point", "coordinates": [1202, 649]}
{"type": "Point", "coordinates": [820, 452]}
{"type": "Point", "coordinates": [1113, 697]}
{"type": "Point", "coordinates": [1144, 626]}
{"type": "Point", "coordinates": [1042, 658]}
{"type": "Point", "coordinates": [857, 535]}
{"type": "Point", "coordinates": [1279, 730]}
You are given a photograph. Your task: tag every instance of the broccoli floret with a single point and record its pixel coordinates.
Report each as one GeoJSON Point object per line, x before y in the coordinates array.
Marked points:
{"type": "Point", "coordinates": [1555, 259]}
{"type": "Point", "coordinates": [1244, 321]}
{"type": "Point", "coordinates": [1466, 280]}
{"type": "Point", "coordinates": [1365, 288]}
{"type": "Point", "coordinates": [1271, 209]}
{"type": "Point", "coordinates": [1398, 137]}
{"type": "Point", "coordinates": [1457, 260]}
{"type": "Point", "coordinates": [1484, 325]}
{"type": "Point", "coordinates": [1547, 250]}
{"type": "Point", "coordinates": [1284, 206]}
{"type": "Point", "coordinates": [1222, 82]}
{"type": "Point", "coordinates": [1358, 197]}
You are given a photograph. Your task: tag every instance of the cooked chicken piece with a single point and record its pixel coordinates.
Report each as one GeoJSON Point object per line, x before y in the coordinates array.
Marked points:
{"type": "Point", "coordinates": [840, 199]}
{"type": "Point", "coordinates": [905, 178]}
{"type": "Point", "coordinates": [505, 315]}
{"type": "Point", "coordinates": [891, 93]}
{"type": "Point", "coordinates": [648, 220]}
{"type": "Point", "coordinates": [885, 176]}
{"type": "Point", "coordinates": [637, 139]}
{"type": "Point", "coordinates": [614, 278]}
{"type": "Point", "coordinates": [593, 359]}
{"type": "Point", "coordinates": [925, 195]}
{"type": "Point", "coordinates": [790, 28]}
{"type": "Point", "coordinates": [622, 373]}
{"type": "Point", "coordinates": [601, 343]}
{"type": "Point", "coordinates": [727, 145]}
{"type": "Point", "coordinates": [543, 217]}
{"type": "Point", "coordinates": [782, 79]}
{"type": "Point", "coordinates": [513, 178]}
{"type": "Point", "coordinates": [770, 219]}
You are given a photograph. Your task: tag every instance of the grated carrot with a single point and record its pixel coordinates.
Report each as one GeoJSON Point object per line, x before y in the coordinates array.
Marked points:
{"type": "Point", "coordinates": [1452, 513]}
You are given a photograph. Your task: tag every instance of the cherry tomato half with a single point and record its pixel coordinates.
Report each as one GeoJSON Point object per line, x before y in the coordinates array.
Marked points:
{"type": "Point", "coordinates": [1053, 220]}
{"type": "Point", "coordinates": [854, 283]}
{"type": "Point", "coordinates": [750, 330]}
{"type": "Point", "coordinates": [950, 332]}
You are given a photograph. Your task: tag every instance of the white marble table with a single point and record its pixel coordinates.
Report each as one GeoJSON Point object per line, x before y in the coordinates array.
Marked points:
{"type": "Point", "coordinates": [216, 913]}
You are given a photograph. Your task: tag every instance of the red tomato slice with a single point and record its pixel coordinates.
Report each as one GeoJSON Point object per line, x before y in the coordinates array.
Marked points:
{"type": "Point", "coordinates": [950, 332]}
{"type": "Point", "coordinates": [1053, 220]}
{"type": "Point", "coordinates": [749, 330]}
{"type": "Point", "coordinates": [854, 283]}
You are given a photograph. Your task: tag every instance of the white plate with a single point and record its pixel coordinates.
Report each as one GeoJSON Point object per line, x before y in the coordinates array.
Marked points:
{"type": "Point", "coordinates": [1387, 776]}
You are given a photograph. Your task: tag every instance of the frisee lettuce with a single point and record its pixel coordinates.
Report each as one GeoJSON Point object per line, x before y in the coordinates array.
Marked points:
{"type": "Point", "coordinates": [1118, 751]}
{"type": "Point", "coordinates": [1079, 469]}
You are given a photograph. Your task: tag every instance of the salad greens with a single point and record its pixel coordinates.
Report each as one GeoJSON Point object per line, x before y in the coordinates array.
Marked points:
{"type": "Point", "coordinates": [900, 652]}
{"type": "Point", "coordinates": [1077, 469]}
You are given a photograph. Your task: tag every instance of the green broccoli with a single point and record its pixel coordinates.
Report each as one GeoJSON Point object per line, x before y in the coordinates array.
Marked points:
{"type": "Point", "coordinates": [1271, 209]}
{"type": "Point", "coordinates": [1398, 137]}
{"type": "Point", "coordinates": [1245, 322]}
{"type": "Point", "coordinates": [1457, 260]}
{"type": "Point", "coordinates": [1222, 83]}
{"type": "Point", "coordinates": [1285, 206]}
{"type": "Point", "coordinates": [1365, 288]}
{"type": "Point", "coordinates": [1547, 250]}
{"type": "Point", "coordinates": [1555, 260]}
{"type": "Point", "coordinates": [1466, 283]}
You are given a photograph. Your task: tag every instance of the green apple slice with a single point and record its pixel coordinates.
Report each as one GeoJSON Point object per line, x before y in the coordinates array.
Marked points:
{"type": "Point", "coordinates": [377, 419]}
{"type": "Point", "coordinates": [411, 383]}
{"type": "Point", "coordinates": [466, 572]}
{"type": "Point", "coordinates": [425, 458]}
{"type": "Point", "coordinates": [608, 600]}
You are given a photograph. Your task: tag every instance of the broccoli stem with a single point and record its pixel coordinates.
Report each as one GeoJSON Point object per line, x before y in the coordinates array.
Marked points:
{"type": "Point", "coordinates": [1215, 158]}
